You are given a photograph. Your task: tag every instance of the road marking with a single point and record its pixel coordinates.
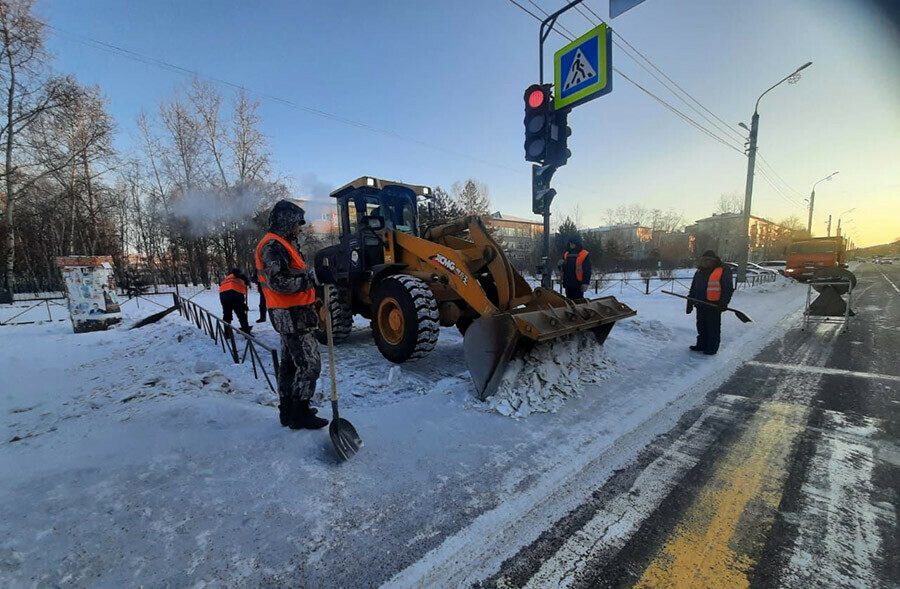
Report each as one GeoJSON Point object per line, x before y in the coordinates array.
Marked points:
{"type": "Point", "coordinates": [711, 547]}
{"type": "Point", "coordinates": [823, 370]}
{"type": "Point", "coordinates": [612, 526]}
{"type": "Point", "coordinates": [889, 281]}
{"type": "Point", "coordinates": [840, 520]}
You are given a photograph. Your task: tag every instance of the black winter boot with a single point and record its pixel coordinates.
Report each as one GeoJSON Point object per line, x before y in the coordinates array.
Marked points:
{"type": "Point", "coordinates": [284, 411]}
{"type": "Point", "coordinates": [304, 417]}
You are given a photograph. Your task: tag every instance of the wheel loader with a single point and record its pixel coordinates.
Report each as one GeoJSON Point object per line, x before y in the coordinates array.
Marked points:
{"type": "Point", "coordinates": [456, 273]}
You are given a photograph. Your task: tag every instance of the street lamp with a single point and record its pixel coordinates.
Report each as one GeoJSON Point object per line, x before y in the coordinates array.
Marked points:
{"type": "Point", "coordinates": [839, 219]}
{"type": "Point", "coordinates": [812, 200]}
{"type": "Point", "coordinates": [751, 165]}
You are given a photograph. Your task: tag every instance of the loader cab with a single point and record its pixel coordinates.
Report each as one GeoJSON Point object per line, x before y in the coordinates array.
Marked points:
{"type": "Point", "coordinates": [370, 201]}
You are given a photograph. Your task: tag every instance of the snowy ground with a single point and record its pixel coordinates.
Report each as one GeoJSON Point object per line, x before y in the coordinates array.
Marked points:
{"type": "Point", "coordinates": [146, 457]}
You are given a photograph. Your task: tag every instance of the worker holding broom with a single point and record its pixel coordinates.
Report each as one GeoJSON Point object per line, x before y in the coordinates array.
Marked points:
{"type": "Point", "coordinates": [289, 288]}
{"type": "Point", "coordinates": [712, 283]}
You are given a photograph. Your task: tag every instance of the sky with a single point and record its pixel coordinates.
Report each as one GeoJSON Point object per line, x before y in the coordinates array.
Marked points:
{"type": "Point", "coordinates": [442, 84]}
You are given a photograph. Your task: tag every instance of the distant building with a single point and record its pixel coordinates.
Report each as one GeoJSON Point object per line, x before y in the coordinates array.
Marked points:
{"type": "Point", "coordinates": [633, 240]}
{"type": "Point", "coordinates": [518, 235]}
{"type": "Point", "coordinates": [722, 233]}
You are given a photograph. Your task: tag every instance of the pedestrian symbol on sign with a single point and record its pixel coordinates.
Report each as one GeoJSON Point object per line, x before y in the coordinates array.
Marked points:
{"type": "Point", "coordinates": [580, 71]}
{"type": "Point", "coordinates": [583, 68]}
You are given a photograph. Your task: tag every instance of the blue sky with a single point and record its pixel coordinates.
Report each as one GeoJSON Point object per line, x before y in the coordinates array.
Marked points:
{"type": "Point", "coordinates": [452, 74]}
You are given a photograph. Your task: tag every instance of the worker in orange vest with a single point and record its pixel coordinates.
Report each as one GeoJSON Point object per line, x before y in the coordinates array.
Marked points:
{"type": "Point", "coordinates": [289, 287]}
{"type": "Point", "coordinates": [712, 283]}
{"type": "Point", "coordinates": [576, 268]}
{"type": "Point", "coordinates": [233, 296]}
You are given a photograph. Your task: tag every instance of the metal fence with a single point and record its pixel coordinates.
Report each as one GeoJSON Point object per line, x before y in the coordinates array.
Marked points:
{"type": "Point", "coordinates": [650, 284]}
{"type": "Point", "coordinates": [31, 305]}
{"type": "Point", "coordinates": [227, 337]}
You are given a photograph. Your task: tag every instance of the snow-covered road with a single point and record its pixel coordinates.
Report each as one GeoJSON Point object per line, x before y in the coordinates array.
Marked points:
{"type": "Point", "coordinates": [145, 457]}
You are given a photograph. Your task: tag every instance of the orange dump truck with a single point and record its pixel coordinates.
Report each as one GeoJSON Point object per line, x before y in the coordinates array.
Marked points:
{"type": "Point", "coordinates": [808, 256]}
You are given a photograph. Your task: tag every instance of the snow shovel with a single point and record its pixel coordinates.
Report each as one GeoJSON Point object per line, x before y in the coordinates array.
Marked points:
{"type": "Point", "coordinates": [740, 315]}
{"type": "Point", "coordinates": [343, 435]}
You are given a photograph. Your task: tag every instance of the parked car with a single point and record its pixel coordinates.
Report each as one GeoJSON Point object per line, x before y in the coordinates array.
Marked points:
{"type": "Point", "coordinates": [761, 269]}
{"type": "Point", "coordinates": [734, 268]}
{"type": "Point", "coordinates": [776, 265]}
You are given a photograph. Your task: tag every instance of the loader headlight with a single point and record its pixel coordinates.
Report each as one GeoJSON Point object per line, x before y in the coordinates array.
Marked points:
{"type": "Point", "coordinates": [370, 181]}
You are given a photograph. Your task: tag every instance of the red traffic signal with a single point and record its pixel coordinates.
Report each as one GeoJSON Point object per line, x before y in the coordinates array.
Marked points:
{"type": "Point", "coordinates": [537, 96]}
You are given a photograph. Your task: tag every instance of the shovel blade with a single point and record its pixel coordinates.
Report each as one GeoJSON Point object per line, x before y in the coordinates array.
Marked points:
{"type": "Point", "coordinates": [345, 438]}
{"type": "Point", "coordinates": [488, 346]}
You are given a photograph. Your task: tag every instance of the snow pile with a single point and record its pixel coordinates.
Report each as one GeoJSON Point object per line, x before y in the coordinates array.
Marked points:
{"type": "Point", "coordinates": [541, 379]}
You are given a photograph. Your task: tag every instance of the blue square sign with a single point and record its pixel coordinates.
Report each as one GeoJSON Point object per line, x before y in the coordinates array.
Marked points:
{"type": "Point", "coordinates": [583, 68]}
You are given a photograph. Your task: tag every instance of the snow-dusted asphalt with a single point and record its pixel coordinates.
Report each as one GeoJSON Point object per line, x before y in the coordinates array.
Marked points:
{"type": "Point", "coordinates": [144, 458]}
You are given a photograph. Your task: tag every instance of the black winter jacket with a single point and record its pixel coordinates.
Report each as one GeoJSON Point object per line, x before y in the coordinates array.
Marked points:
{"type": "Point", "coordinates": [701, 280]}
{"type": "Point", "coordinates": [569, 279]}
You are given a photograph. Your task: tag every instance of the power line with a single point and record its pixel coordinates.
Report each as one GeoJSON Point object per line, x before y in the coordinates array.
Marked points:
{"type": "Point", "coordinates": [725, 129]}
{"type": "Point", "coordinates": [665, 104]}
{"type": "Point", "coordinates": [654, 66]}
{"type": "Point", "coordinates": [765, 176]}
{"type": "Point", "coordinates": [559, 24]}
{"type": "Point", "coordinates": [783, 181]}
{"type": "Point", "coordinates": [135, 56]}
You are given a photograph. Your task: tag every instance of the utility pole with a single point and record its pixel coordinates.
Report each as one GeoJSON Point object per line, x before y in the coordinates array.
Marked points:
{"type": "Point", "coordinates": [751, 166]}
{"type": "Point", "coordinates": [748, 196]}
{"type": "Point", "coordinates": [812, 200]}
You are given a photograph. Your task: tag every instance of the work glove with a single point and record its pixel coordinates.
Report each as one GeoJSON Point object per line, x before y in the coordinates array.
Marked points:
{"type": "Point", "coordinates": [723, 306]}
{"type": "Point", "coordinates": [584, 287]}
{"type": "Point", "coordinates": [690, 308]}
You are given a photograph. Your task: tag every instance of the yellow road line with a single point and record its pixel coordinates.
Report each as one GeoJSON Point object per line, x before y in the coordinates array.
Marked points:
{"type": "Point", "coordinates": [720, 535]}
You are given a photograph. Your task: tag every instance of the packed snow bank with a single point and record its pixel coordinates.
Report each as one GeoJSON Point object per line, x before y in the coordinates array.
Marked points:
{"type": "Point", "coordinates": [131, 470]}
{"type": "Point", "coordinates": [541, 379]}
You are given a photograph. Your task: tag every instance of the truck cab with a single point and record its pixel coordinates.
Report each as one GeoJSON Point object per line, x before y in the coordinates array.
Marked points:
{"type": "Point", "coordinates": [808, 256]}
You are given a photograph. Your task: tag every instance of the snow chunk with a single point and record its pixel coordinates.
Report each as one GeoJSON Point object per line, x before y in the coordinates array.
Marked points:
{"type": "Point", "coordinates": [541, 379]}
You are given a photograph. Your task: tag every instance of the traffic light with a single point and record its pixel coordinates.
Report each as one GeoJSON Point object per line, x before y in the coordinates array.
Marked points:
{"type": "Point", "coordinates": [541, 193]}
{"type": "Point", "coordinates": [537, 122]}
{"type": "Point", "coordinates": [558, 153]}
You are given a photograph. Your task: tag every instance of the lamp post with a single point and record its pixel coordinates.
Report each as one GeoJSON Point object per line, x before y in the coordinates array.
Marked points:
{"type": "Point", "coordinates": [812, 200]}
{"type": "Point", "coordinates": [751, 165]}
{"type": "Point", "coordinates": [839, 219]}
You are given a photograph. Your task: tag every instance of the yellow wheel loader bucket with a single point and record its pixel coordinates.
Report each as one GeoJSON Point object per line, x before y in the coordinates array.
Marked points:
{"type": "Point", "coordinates": [493, 340]}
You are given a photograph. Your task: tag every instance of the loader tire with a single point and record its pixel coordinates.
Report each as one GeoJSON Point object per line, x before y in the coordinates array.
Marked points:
{"type": "Point", "coordinates": [404, 318]}
{"type": "Point", "coordinates": [341, 318]}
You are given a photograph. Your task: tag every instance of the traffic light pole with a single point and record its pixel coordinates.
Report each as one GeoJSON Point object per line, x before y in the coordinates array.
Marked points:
{"type": "Point", "coordinates": [545, 30]}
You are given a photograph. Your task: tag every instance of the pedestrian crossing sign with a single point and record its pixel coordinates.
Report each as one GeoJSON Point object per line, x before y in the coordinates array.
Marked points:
{"type": "Point", "coordinates": [583, 68]}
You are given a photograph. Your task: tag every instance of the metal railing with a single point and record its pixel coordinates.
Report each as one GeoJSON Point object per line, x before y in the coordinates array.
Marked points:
{"type": "Point", "coordinates": [650, 284]}
{"type": "Point", "coordinates": [227, 336]}
{"type": "Point", "coordinates": [37, 303]}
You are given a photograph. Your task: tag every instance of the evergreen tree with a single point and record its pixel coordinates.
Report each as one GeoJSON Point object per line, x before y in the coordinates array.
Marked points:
{"type": "Point", "coordinates": [472, 198]}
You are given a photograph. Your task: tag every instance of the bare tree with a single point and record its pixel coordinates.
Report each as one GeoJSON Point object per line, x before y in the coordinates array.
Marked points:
{"type": "Point", "coordinates": [730, 203]}
{"type": "Point", "coordinates": [30, 92]}
{"type": "Point", "coordinates": [627, 215]}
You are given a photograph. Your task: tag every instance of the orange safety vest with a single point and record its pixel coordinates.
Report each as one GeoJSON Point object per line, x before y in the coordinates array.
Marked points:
{"type": "Point", "coordinates": [232, 282]}
{"type": "Point", "coordinates": [579, 263]}
{"type": "Point", "coordinates": [280, 300]}
{"type": "Point", "coordinates": [714, 285]}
